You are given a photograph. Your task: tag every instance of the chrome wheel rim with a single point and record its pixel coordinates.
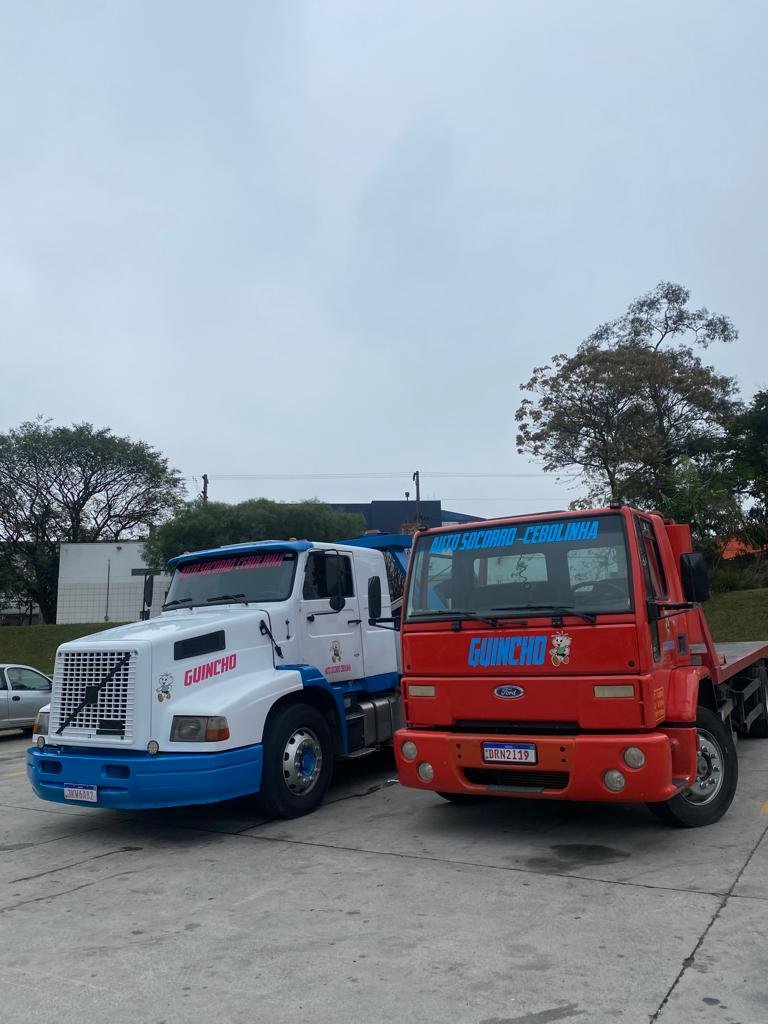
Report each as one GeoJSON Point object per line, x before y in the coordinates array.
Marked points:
{"type": "Point", "coordinates": [302, 761]}
{"type": "Point", "coordinates": [709, 770]}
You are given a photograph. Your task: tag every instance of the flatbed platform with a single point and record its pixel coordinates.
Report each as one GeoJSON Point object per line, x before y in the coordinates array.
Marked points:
{"type": "Point", "coordinates": [734, 657]}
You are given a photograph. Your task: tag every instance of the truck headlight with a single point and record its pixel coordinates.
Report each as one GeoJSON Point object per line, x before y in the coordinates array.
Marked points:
{"type": "Point", "coordinates": [199, 729]}
{"type": "Point", "coordinates": [40, 728]}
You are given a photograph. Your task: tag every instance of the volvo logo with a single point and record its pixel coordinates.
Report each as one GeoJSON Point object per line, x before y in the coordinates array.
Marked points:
{"type": "Point", "coordinates": [511, 692]}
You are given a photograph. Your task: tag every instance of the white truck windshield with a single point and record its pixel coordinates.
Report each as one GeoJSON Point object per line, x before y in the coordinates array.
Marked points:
{"type": "Point", "coordinates": [522, 567]}
{"type": "Point", "coordinates": [254, 576]}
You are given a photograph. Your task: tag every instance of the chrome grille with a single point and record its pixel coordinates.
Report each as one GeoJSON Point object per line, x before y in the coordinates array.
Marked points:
{"type": "Point", "coordinates": [74, 671]}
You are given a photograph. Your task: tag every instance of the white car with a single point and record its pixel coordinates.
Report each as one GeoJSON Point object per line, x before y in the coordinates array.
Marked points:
{"type": "Point", "coordinates": [23, 691]}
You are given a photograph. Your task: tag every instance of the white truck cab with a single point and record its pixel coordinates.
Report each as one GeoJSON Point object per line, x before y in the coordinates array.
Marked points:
{"type": "Point", "coordinates": [265, 665]}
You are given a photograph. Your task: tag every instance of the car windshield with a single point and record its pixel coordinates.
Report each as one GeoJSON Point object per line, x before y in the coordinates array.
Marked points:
{"type": "Point", "coordinates": [522, 567]}
{"type": "Point", "coordinates": [253, 576]}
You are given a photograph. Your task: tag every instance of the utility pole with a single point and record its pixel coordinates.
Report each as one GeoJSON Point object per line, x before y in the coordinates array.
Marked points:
{"type": "Point", "coordinates": [418, 499]}
{"type": "Point", "coordinates": [205, 488]}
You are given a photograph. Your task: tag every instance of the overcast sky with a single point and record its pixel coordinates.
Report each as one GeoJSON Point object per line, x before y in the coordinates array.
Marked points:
{"type": "Point", "coordinates": [334, 237]}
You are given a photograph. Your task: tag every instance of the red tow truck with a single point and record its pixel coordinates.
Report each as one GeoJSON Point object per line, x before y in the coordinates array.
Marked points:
{"type": "Point", "coordinates": [567, 656]}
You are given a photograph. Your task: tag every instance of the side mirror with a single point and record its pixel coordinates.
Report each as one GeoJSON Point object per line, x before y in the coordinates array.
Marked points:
{"type": "Point", "coordinates": [337, 602]}
{"type": "Point", "coordinates": [695, 578]}
{"type": "Point", "coordinates": [149, 590]}
{"type": "Point", "coordinates": [374, 597]}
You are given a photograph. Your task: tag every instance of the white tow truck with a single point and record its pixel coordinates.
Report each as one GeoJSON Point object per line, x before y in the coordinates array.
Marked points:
{"type": "Point", "coordinates": [268, 661]}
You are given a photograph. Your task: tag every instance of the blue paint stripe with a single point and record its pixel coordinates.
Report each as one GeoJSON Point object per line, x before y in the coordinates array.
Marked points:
{"type": "Point", "coordinates": [311, 676]}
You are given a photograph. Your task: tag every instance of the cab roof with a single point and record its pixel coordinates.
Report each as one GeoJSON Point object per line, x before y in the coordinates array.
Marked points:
{"type": "Point", "coordinates": [378, 542]}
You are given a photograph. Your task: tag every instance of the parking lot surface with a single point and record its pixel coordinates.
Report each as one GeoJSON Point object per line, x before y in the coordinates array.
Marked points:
{"type": "Point", "coordinates": [385, 905]}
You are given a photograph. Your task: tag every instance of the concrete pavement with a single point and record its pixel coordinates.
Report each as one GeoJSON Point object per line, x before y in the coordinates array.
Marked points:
{"type": "Point", "coordinates": [386, 905]}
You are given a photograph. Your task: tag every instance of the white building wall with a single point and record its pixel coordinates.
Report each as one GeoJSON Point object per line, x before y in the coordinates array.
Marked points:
{"type": "Point", "coordinates": [96, 584]}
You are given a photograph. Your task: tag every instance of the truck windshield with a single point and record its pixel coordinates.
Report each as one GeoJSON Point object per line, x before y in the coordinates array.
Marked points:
{"type": "Point", "coordinates": [525, 567]}
{"type": "Point", "coordinates": [254, 576]}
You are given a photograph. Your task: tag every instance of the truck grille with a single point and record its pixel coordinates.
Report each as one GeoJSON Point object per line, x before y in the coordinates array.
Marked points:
{"type": "Point", "coordinates": [112, 715]}
{"type": "Point", "coordinates": [516, 778]}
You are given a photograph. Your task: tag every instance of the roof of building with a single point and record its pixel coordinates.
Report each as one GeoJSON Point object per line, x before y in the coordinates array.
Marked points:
{"type": "Point", "coordinates": [392, 516]}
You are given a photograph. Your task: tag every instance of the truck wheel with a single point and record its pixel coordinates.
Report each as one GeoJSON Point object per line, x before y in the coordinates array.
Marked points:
{"type": "Point", "coordinates": [759, 728]}
{"type": "Point", "coordinates": [298, 761]}
{"type": "Point", "coordinates": [711, 794]}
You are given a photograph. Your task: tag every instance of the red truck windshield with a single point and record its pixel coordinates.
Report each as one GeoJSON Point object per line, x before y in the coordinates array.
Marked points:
{"type": "Point", "coordinates": [578, 563]}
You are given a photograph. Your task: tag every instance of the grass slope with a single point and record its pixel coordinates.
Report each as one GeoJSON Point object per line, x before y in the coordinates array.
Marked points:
{"type": "Point", "coordinates": [738, 615]}
{"type": "Point", "coordinates": [36, 645]}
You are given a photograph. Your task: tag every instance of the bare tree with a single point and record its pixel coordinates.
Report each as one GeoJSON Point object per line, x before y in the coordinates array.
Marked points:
{"type": "Point", "coordinates": [60, 484]}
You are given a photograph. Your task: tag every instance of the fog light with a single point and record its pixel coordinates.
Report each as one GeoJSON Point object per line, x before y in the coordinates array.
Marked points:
{"type": "Point", "coordinates": [425, 771]}
{"type": "Point", "coordinates": [614, 780]}
{"type": "Point", "coordinates": [40, 742]}
{"type": "Point", "coordinates": [614, 691]}
{"type": "Point", "coordinates": [419, 690]}
{"type": "Point", "coordinates": [409, 750]}
{"type": "Point", "coordinates": [634, 757]}
{"type": "Point", "coordinates": [152, 747]}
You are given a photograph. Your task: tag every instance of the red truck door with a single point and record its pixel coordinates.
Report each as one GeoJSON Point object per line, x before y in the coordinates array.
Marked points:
{"type": "Point", "coordinates": [661, 631]}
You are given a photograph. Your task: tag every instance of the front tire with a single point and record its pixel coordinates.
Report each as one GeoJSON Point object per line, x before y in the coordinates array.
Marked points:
{"type": "Point", "coordinates": [298, 761]}
{"type": "Point", "coordinates": [713, 790]}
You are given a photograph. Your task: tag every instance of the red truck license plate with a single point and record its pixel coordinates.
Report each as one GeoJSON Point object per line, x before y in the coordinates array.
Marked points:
{"type": "Point", "coordinates": [509, 753]}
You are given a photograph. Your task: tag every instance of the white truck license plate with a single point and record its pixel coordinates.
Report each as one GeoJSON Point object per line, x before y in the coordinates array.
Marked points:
{"type": "Point", "coordinates": [88, 793]}
{"type": "Point", "coordinates": [510, 753]}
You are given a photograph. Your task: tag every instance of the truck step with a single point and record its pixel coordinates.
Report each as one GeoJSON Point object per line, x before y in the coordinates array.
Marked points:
{"type": "Point", "coordinates": [362, 752]}
{"type": "Point", "coordinates": [750, 689]}
{"type": "Point", "coordinates": [753, 714]}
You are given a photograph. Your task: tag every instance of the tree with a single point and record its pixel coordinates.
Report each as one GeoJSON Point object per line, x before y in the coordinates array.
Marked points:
{"type": "Point", "coordinates": [749, 440]}
{"type": "Point", "coordinates": [202, 525]}
{"type": "Point", "coordinates": [635, 411]}
{"type": "Point", "coordinates": [70, 484]}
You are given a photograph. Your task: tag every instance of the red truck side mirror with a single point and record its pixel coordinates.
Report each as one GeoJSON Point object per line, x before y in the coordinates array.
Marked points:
{"type": "Point", "coordinates": [695, 577]}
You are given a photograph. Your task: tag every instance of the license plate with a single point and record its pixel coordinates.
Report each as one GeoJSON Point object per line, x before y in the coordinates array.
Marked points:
{"type": "Point", "coordinates": [87, 793]}
{"type": "Point", "coordinates": [510, 753]}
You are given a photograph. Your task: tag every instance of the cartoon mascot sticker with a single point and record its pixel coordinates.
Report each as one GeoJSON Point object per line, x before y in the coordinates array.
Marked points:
{"type": "Point", "coordinates": [560, 652]}
{"type": "Point", "coordinates": [164, 690]}
{"type": "Point", "coordinates": [335, 651]}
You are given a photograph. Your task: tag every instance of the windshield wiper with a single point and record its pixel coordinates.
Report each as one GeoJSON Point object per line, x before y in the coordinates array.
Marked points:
{"type": "Point", "coordinates": [556, 610]}
{"type": "Point", "coordinates": [228, 599]}
{"type": "Point", "coordinates": [453, 615]}
{"type": "Point", "coordinates": [172, 604]}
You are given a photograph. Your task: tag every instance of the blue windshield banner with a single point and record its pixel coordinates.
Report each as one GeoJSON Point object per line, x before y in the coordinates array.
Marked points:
{"type": "Point", "coordinates": [507, 536]}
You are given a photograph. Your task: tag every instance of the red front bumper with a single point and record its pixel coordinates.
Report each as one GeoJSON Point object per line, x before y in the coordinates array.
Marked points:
{"type": "Point", "coordinates": [567, 768]}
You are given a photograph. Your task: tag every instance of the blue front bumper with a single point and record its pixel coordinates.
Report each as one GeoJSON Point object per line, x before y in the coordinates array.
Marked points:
{"type": "Point", "coordinates": [132, 780]}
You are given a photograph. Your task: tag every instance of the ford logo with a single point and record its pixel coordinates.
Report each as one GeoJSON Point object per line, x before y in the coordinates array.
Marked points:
{"type": "Point", "coordinates": [512, 692]}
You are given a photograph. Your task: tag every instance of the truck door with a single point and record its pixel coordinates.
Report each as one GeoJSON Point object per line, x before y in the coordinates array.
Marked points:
{"type": "Point", "coordinates": [662, 631]}
{"type": "Point", "coordinates": [3, 700]}
{"type": "Point", "coordinates": [332, 640]}
{"type": "Point", "coordinates": [29, 691]}
{"type": "Point", "coordinates": [381, 646]}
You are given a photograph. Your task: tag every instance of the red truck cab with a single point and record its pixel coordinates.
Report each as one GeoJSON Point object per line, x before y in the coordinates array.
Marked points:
{"type": "Point", "coordinates": [566, 656]}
